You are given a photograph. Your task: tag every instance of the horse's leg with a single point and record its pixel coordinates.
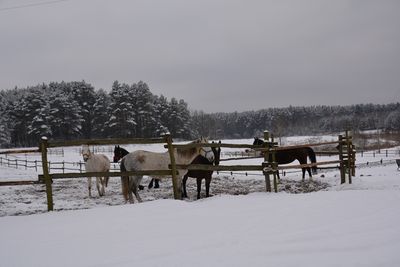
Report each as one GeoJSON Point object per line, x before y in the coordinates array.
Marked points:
{"type": "Point", "coordinates": [103, 181]}
{"type": "Point", "coordinates": [184, 194]}
{"type": "Point", "coordinates": [130, 189]}
{"type": "Point", "coordinates": [208, 181]}
{"type": "Point", "coordinates": [198, 187]}
{"type": "Point", "coordinates": [125, 187]}
{"type": "Point", "coordinates": [90, 186]}
{"type": "Point", "coordinates": [157, 185]}
{"type": "Point", "coordinates": [134, 187]}
{"type": "Point", "coordinates": [106, 179]}
{"type": "Point", "coordinates": [151, 183]}
{"type": "Point", "coordinates": [309, 172]}
{"type": "Point", "coordinates": [99, 185]}
{"type": "Point", "coordinates": [302, 161]}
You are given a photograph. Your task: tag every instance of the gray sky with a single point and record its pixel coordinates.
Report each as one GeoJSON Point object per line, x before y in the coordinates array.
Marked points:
{"type": "Point", "coordinates": [247, 54]}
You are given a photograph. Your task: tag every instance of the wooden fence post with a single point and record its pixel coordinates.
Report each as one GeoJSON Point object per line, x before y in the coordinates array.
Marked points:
{"type": "Point", "coordinates": [274, 165]}
{"type": "Point", "coordinates": [342, 169]}
{"type": "Point", "coordinates": [349, 154]}
{"type": "Point", "coordinates": [47, 178]}
{"type": "Point", "coordinates": [353, 167]}
{"type": "Point", "coordinates": [176, 181]}
{"type": "Point", "coordinates": [266, 162]}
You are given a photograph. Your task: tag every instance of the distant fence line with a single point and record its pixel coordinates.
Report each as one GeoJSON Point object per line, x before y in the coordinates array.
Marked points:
{"type": "Point", "coordinates": [52, 165]}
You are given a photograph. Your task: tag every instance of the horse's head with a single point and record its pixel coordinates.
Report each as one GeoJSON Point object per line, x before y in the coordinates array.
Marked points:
{"type": "Point", "coordinates": [206, 152]}
{"type": "Point", "coordinates": [258, 141]}
{"type": "Point", "coordinates": [86, 152]}
{"type": "Point", "coordinates": [217, 154]}
{"type": "Point", "coordinates": [119, 153]}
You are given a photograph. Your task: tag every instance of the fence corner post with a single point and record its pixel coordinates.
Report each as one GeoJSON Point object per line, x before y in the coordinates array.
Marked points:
{"type": "Point", "coordinates": [349, 147]}
{"type": "Point", "coordinates": [176, 180]}
{"type": "Point", "coordinates": [266, 159]}
{"type": "Point", "coordinates": [342, 168]}
{"type": "Point", "coordinates": [274, 164]}
{"type": "Point", "coordinates": [46, 175]}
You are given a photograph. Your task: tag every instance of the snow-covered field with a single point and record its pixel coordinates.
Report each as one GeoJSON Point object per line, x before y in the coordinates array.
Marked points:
{"type": "Point", "coordinates": [333, 225]}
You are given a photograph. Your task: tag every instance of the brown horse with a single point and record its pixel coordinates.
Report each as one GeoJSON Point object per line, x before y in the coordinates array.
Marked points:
{"type": "Point", "coordinates": [291, 154]}
{"type": "Point", "coordinates": [200, 174]}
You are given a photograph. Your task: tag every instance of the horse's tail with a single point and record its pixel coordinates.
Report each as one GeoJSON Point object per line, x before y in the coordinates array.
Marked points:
{"type": "Point", "coordinates": [124, 182]}
{"type": "Point", "coordinates": [313, 158]}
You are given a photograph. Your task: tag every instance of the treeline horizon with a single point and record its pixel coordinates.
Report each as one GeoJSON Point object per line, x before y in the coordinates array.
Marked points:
{"type": "Point", "coordinates": [76, 110]}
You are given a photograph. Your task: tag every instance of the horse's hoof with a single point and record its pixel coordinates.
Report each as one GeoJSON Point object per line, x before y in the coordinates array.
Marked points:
{"type": "Point", "coordinates": [156, 186]}
{"type": "Point", "coordinates": [141, 187]}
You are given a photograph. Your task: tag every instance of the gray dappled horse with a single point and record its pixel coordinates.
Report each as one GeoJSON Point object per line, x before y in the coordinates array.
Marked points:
{"type": "Point", "coordinates": [146, 160]}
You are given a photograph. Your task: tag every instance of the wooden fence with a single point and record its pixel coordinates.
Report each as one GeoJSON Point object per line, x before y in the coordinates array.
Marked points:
{"type": "Point", "coordinates": [48, 177]}
{"type": "Point", "coordinates": [346, 152]}
{"type": "Point", "coordinates": [269, 166]}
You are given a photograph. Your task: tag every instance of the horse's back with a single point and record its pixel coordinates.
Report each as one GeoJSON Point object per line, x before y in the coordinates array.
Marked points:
{"type": "Point", "coordinates": [146, 160]}
{"type": "Point", "coordinates": [98, 162]}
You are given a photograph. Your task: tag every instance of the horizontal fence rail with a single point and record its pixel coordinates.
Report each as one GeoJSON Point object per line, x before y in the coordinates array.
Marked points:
{"type": "Point", "coordinates": [220, 167]}
{"type": "Point", "coordinates": [20, 151]}
{"type": "Point", "coordinates": [117, 141]}
{"type": "Point", "coordinates": [106, 174]}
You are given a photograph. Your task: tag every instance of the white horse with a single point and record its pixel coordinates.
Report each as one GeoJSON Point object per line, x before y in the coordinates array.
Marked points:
{"type": "Point", "coordinates": [96, 163]}
{"type": "Point", "coordinates": [145, 160]}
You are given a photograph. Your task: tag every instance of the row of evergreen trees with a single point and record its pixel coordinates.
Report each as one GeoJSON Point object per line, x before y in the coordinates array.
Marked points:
{"type": "Point", "coordinates": [76, 110]}
{"type": "Point", "coordinates": [298, 120]}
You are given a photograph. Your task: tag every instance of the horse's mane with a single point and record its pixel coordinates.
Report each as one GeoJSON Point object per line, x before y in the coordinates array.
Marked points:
{"type": "Point", "coordinates": [124, 151]}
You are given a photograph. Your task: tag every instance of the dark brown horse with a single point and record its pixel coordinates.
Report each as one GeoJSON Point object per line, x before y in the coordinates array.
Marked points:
{"type": "Point", "coordinates": [291, 154]}
{"type": "Point", "coordinates": [202, 174]}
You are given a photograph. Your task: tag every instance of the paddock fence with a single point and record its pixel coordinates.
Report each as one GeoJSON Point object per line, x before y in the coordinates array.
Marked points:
{"type": "Point", "coordinates": [268, 168]}
{"type": "Point", "coordinates": [346, 161]}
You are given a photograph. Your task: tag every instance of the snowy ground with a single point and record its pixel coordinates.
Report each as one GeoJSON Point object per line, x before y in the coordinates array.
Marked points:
{"type": "Point", "coordinates": [334, 225]}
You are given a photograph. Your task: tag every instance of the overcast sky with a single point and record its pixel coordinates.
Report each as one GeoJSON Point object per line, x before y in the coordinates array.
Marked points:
{"type": "Point", "coordinates": [216, 55]}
